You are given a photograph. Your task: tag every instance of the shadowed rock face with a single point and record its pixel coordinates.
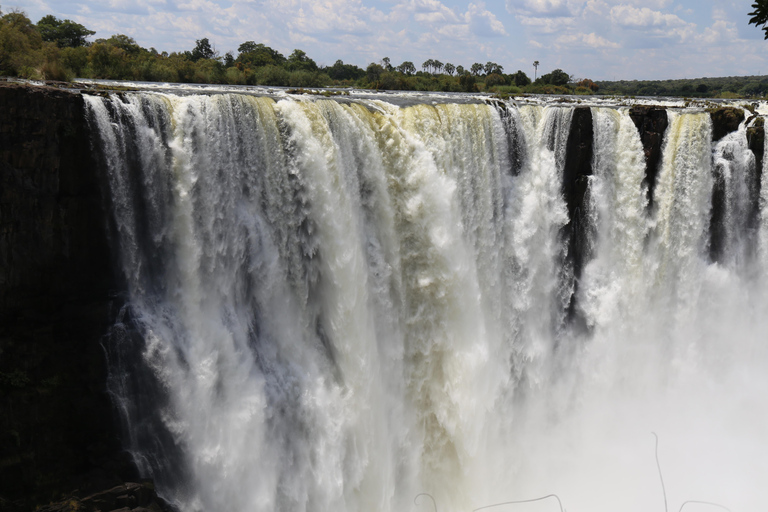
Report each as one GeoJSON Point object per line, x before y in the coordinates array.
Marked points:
{"type": "Point", "coordinates": [724, 121]}
{"type": "Point", "coordinates": [651, 123]}
{"type": "Point", "coordinates": [576, 173]}
{"type": "Point", "coordinates": [56, 421]}
{"type": "Point", "coordinates": [126, 497]}
{"type": "Point", "coordinates": [756, 142]}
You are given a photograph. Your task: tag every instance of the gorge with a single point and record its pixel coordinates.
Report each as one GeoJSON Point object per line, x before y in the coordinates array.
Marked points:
{"type": "Point", "coordinates": [307, 304]}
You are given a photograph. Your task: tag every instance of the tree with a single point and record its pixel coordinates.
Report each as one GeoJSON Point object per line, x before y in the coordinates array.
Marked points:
{"type": "Point", "coordinates": [556, 77]}
{"type": "Point", "coordinates": [20, 46]}
{"type": "Point", "coordinates": [65, 33]}
{"type": "Point", "coordinates": [449, 68]}
{"type": "Point", "coordinates": [520, 79]}
{"type": "Point", "coordinates": [760, 15]}
{"type": "Point", "coordinates": [467, 83]}
{"type": "Point", "coordinates": [589, 84]}
{"type": "Point", "coordinates": [494, 79]}
{"type": "Point", "coordinates": [535, 69]}
{"type": "Point", "coordinates": [407, 68]}
{"type": "Point", "coordinates": [459, 70]}
{"type": "Point", "coordinates": [122, 41]}
{"type": "Point", "coordinates": [299, 61]}
{"type": "Point", "coordinates": [437, 65]}
{"type": "Point", "coordinates": [341, 71]}
{"type": "Point", "coordinates": [387, 63]}
{"type": "Point", "coordinates": [492, 67]}
{"type": "Point", "coordinates": [373, 72]}
{"type": "Point", "coordinates": [476, 68]}
{"type": "Point", "coordinates": [258, 55]}
{"type": "Point", "coordinates": [202, 50]}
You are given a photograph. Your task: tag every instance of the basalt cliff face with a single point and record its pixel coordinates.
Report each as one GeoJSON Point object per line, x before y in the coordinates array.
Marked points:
{"type": "Point", "coordinates": [59, 292]}
{"type": "Point", "coordinates": [57, 299]}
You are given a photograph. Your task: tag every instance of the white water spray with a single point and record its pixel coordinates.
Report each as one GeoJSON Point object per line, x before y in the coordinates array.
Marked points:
{"type": "Point", "coordinates": [337, 306]}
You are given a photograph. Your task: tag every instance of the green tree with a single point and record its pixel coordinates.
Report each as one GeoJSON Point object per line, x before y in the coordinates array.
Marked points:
{"type": "Point", "coordinates": [373, 73]}
{"type": "Point", "coordinates": [535, 69]}
{"type": "Point", "coordinates": [556, 77]}
{"type": "Point", "coordinates": [341, 71]}
{"type": "Point", "coordinates": [520, 79]}
{"type": "Point", "coordinates": [21, 47]}
{"type": "Point", "coordinates": [65, 33]}
{"type": "Point", "coordinates": [494, 79]}
{"type": "Point", "coordinates": [492, 67]}
{"type": "Point", "coordinates": [407, 68]}
{"type": "Point", "coordinates": [468, 83]}
{"type": "Point", "coordinates": [476, 68]}
{"type": "Point", "coordinates": [760, 15]}
{"type": "Point", "coordinates": [459, 70]}
{"type": "Point", "coordinates": [299, 61]}
{"type": "Point", "coordinates": [258, 55]}
{"type": "Point", "coordinates": [202, 50]}
{"type": "Point", "coordinates": [125, 43]}
{"type": "Point", "coordinates": [449, 68]}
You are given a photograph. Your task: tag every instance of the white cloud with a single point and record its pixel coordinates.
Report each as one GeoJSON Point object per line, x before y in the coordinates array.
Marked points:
{"type": "Point", "coordinates": [585, 41]}
{"type": "Point", "coordinates": [547, 25]}
{"type": "Point", "coordinates": [632, 17]}
{"type": "Point", "coordinates": [482, 22]}
{"type": "Point", "coordinates": [545, 8]}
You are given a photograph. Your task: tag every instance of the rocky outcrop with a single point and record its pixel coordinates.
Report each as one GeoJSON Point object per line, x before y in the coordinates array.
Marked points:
{"type": "Point", "coordinates": [127, 497]}
{"type": "Point", "coordinates": [725, 120]}
{"type": "Point", "coordinates": [651, 123]}
{"type": "Point", "coordinates": [576, 173]}
{"type": "Point", "coordinates": [57, 430]}
{"type": "Point", "coordinates": [756, 143]}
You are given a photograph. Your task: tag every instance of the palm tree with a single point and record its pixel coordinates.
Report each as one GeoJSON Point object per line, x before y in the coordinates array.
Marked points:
{"type": "Point", "coordinates": [535, 68]}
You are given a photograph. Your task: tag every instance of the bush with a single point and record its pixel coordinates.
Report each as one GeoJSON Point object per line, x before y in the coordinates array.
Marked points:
{"type": "Point", "coordinates": [494, 79]}
{"type": "Point", "coordinates": [271, 75]}
{"type": "Point", "coordinates": [234, 76]}
{"type": "Point", "coordinates": [76, 59]}
{"type": "Point", "coordinates": [55, 70]}
{"type": "Point", "coordinates": [303, 78]}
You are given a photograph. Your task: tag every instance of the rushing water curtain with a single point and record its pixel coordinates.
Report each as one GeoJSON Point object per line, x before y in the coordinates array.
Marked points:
{"type": "Point", "coordinates": [338, 305]}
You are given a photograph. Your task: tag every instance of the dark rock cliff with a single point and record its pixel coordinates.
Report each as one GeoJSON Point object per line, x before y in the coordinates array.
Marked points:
{"type": "Point", "coordinates": [651, 123]}
{"type": "Point", "coordinates": [57, 431]}
{"type": "Point", "coordinates": [576, 172]}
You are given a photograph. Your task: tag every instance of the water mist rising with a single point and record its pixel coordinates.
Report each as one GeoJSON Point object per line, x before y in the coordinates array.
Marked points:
{"type": "Point", "coordinates": [337, 306]}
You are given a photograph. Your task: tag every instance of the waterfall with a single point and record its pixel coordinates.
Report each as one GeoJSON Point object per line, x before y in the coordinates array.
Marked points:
{"type": "Point", "coordinates": [338, 305]}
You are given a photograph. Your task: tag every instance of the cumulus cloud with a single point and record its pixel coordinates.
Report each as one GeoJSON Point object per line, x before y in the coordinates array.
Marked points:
{"type": "Point", "coordinates": [548, 25]}
{"type": "Point", "coordinates": [329, 17]}
{"type": "Point", "coordinates": [585, 41]}
{"type": "Point", "coordinates": [643, 17]}
{"type": "Point", "coordinates": [546, 8]}
{"type": "Point", "coordinates": [483, 22]}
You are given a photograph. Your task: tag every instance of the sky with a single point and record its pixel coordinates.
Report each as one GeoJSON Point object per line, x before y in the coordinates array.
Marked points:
{"type": "Point", "coordinates": [596, 39]}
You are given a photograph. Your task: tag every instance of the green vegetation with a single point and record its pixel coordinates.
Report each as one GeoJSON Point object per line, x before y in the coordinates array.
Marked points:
{"type": "Point", "coordinates": [724, 87]}
{"type": "Point", "coordinates": [55, 49]}
{"type": "Point", "coordinates": [759, 15]}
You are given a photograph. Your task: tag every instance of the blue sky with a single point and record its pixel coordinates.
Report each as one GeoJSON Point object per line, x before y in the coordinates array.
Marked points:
{"type": "Point", "coordinates": [598, 39]}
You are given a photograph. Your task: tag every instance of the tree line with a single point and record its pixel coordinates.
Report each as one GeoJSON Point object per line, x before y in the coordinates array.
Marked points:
{"type": "Point", "coordinates": [56, 49]}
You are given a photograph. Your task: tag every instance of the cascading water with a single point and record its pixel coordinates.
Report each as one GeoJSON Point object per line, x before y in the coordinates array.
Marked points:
{"type": "Point", "coordinates": [339, 305]}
